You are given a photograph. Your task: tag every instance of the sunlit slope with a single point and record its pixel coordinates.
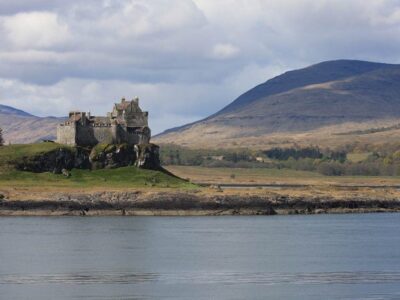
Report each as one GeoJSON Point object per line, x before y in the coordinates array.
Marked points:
{"type": "Point", "coordinates": [325, 99]}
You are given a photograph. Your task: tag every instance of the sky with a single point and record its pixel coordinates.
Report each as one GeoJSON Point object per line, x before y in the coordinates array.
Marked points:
{"type": "Point", "coordinates": [184, 59]}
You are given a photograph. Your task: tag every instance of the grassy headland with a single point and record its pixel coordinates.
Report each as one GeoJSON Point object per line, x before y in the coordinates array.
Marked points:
{"type": "Point", "coordinates": [12, 154]}
{"type": "Point", "coordinates": [125, 177]}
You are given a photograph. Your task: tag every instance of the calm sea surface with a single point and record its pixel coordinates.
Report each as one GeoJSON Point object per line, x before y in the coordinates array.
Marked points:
{"type": "Point", "coordinates": [278, 257]}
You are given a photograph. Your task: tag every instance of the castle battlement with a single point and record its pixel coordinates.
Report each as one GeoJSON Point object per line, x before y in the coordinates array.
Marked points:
{"type": "Point", "coordinates": [126, 123]}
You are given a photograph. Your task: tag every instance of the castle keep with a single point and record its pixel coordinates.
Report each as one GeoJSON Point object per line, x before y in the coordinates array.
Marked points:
{"type": "Point", "coordinates": [127, 123]}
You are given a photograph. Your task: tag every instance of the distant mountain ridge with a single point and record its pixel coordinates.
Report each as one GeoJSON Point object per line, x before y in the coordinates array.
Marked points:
{"type": "Point", "coordinates": [4, 109]}
{"type": "Point", "coordinates": [326, 94]}
{"type": "Point", "coordinates": [318, 73]}
{"type": "Point", "coordinates": [20, 127]}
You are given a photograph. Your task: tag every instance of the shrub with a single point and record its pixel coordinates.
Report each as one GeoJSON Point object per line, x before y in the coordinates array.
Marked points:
{"type": "Point", "coordinates": [331, 169]}
{"type": "Point", "coordinates": [1, 137]}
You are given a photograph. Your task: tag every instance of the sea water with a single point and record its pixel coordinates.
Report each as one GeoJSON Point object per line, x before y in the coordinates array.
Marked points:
{"type": "Point", "coordinates": [237, 257]}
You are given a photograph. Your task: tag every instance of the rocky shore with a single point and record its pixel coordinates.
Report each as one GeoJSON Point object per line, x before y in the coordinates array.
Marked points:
{"type": "Point", "coordinates": [185, 203]}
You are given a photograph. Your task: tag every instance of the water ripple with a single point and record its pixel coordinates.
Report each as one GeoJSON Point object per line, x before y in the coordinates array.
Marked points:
{"type": "Point", "coordinates": [226, 278]}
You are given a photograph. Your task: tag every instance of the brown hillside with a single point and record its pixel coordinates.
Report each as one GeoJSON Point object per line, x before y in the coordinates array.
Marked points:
{"type": "Point", "coordinates": [21, 127]}
{"type": "Point", "coordinates": [306, 109]}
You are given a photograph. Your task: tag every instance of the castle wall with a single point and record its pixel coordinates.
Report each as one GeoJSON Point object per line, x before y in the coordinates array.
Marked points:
{"type": "Point", "coordinates": [136, 136]}
{"type": "Point", "coordinates": [92, 135]}
{"type": "Point", "coordinates": [136, 119]}
{"type": "Point", "coordinates": [66, 134]}
{"type": "Point", "coordinates": [85, 136]}
{"type": "Point", "coordinates": [104, 135]}
{"type": "Point", "coordinates": [114, 132]}
{"type": "Point", "coordinates": [89, 135]}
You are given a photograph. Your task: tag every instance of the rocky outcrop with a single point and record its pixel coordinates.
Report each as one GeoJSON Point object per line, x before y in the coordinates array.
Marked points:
{"type": "Point", "coordinates": [112, 156]}
{"type": "Point", "coordinates": [101, 156]}
{"type": "Point", "coordinates": [55, 161]}
{"type": "Point", "coordinates": [148, 156]}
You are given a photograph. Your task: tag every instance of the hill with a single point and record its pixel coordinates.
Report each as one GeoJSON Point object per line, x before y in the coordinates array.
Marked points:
{"type": "Point", "coordinates": [22, 127]}
{"type": "Point", "coordinates": [328, 103]}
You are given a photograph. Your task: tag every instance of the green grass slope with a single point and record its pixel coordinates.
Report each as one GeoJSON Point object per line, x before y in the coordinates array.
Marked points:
{"type": "Point", "coordinates": [14, 153]}
{"type": "Point", "coordinates": [127, 177]}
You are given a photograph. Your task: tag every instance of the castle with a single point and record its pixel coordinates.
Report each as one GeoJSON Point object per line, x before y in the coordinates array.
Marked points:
{"type": "Point", "coordinates": [127, 123]}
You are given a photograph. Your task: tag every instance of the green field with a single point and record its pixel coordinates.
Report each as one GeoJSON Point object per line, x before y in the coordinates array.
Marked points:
{"type": "Point", "coordinates": [126, 177]}
{"type": "Point", "coordinates": [267, 176]}
{"type": "Point", "coordinates": [358, 157]}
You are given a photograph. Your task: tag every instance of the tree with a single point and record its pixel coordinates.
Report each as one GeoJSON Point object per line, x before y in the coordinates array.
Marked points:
{"type": "Point", "coordinates": [1, 137]}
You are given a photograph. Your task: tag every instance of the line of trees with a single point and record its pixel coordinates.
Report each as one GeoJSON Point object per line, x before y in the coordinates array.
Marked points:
{"type": "Point", "coordinates": [178, 155]}
{"type": "Point", "coordinates": [306, 152]}
{"type": "Point", "coordinates": [378, 160]}
{"type": "Point", "coordinates": [1, 137]}
{"type": "Point", "coordinates": [286, 153]}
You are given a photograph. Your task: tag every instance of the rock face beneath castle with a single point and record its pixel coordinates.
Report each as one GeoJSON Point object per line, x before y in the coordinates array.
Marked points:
{"type": "Point", "coordinates": [126, 124]}
{"type": "Point", "coordinates": [144, 156]}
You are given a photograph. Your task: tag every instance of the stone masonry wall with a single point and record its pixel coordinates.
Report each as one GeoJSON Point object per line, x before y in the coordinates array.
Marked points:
{"type": "Point", "coordinates": [104, 135]}
{"type": "Point", "coordinates": [136, 119]}
{"type": "Point", "coordinates": [66, 134]}
{"type": "Point", "coordinates": [90, 136]}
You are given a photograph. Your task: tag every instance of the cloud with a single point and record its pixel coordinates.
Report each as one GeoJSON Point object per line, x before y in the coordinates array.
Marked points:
{"type": "Point", "coordinates": [184, 58]}
{"type": "Point", "coordinates": [35, 30]}
{"type": "Point", "coordinates": [225, 51]}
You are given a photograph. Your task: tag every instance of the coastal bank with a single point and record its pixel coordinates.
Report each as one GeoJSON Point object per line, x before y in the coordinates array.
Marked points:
{"type": "Point", "coordinates": [202, 202]}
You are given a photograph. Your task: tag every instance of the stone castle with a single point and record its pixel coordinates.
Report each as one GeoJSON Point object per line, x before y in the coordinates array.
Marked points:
{"type": "Point", "coordinates": [127, 123]}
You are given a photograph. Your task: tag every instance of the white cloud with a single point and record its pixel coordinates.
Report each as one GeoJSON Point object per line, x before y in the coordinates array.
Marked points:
{"type": "Point", "coordinates": [138, 18]}
{"type": "Point", "coordinates": [35, 30]}
{"type": "Point", "coordinates": [224, 51]}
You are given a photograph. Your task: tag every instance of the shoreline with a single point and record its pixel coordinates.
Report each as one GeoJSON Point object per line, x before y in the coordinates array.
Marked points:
{"type": "Point", "coordinates": [180, 213]}
{"type": "Point", "coordinates": [195, 203]}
